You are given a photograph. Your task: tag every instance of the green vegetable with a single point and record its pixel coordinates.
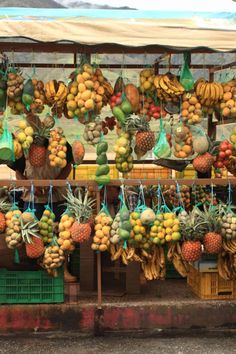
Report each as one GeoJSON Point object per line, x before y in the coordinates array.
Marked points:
{"type": "Point", "coordinates": [124, 214]}
{"type": "Point", "coordinates": [102, 159]}
{"type": "Point", "coordinates": [102, 147]}
{"type": "Point", "coordinates": [102, 170]}
{"type": "Point", "coordinates": [119, 114]}
{"type": "Point", "coordinates": [102, 180]}
{"type": "Point", "coordinates": [124, 234]}
{"type": "Point", "coordinates": [126, 107]}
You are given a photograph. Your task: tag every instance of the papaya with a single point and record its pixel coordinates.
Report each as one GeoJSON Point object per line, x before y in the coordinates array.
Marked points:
{"type": "Point", "coordinates": [119, 85]}
{"type": "Point", "coordinates": [102, 147]}
{"type": "Point", "coordinates": [102, 170]}
{"type": "Point", "coordinates": [102, 180]}
{"type": "Point", "coordinates": [102, 159]}
{"type": "Point", "coordinates": [132, 95]}
{"type": "Point", "coordinates": [119, 114]}
{"type": "Point", "coordinates": [126, 107]}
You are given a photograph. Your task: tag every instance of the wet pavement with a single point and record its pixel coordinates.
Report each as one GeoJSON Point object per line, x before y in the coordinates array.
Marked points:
{"type": "Point", "coordinates": [117, 345]}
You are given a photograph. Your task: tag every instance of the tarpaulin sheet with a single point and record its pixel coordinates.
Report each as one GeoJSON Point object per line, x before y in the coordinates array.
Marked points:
{"type": "Point", "coordinates": [184, 30]}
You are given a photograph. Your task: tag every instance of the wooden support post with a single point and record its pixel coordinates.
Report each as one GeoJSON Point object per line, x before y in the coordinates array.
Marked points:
{"type": "Point", "coordinates": [99, 262]}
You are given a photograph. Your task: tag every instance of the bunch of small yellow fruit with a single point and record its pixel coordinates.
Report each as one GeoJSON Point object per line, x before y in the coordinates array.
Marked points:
{"type": "Point", "coordinates": [165, 229]}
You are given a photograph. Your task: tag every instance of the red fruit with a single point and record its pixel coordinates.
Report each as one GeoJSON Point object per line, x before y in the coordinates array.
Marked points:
{"type": "Point", "coordinates": [226, 162]}
{"type": "Point", "coordinates": [218, 164]}
{"type": "Point", "coordinates": [159, 109]}
{"type": "Point", "coordinates": [156, 115]}
{"type": "Point", "coordinates": [113, 104]}
{"type": "Point", "coordinates": [163, 113]}
{"type": "Point", "coordinates": [223, 146]}
{"type": "Point", "coordinates": [228, 152]}
{"type": "Point", "coordinates": [222, 154]}
{"type": "Point", "coordinates": [118, 100]}
{"type": "Point", "coordinates": [119, 94]}
{"type": "Point", "coordinates": [230, 146]}
{"type": "Point", "coordinates": [113, 98]}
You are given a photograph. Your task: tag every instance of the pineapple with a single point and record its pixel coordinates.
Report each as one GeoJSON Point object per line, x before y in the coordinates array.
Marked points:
{"type": "Point", "coordinates": [203, 163]}
{"type": "Point", "coordinates": [212, 240]}
{"type": "Point", "coordinates": [33, 242]}
{"type": "Point", "coordinates": [81, 207]}
{"type": "Point", "coordinates": [4, 207]}
{"type": "Point", "coordinates": [144, 138]}
{"type": "Point", "coordinates": [38, 150]}
{"type": "Point", "coordinates": [193, 228]}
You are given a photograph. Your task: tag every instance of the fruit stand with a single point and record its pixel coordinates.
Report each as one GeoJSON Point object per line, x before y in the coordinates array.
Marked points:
{"type": "Point", "coordinates": [138, 132]}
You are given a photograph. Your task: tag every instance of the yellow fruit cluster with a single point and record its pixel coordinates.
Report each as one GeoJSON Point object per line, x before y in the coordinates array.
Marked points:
{"type": "Point", "coordinates": [65, 241]}
{"type": "Point", "coordinates": [101, 239]}
{"type": "Point", "coordinates": [147, 80]}
{"type": "Point", "coordinates": [139, 232]}
{"type": "Point", "coordinates": [165, 229]}
{"type": "Point", "coordinates": [228, 104]}
{"type": "Point", "coordinates": [57, 148]}
{"type": "Point", "coordinates": [122, 148]}
{"type": "Point", "coordinates": [24, 135]}
{"type": "Point", "coordinates": [87, 92]}
{"type": "Point", "coordinates": [13, 229]}
{"type": "Point", "coordinates": [46, 226]}
{"type": "Point", "coordinates": [191, 109]}
{"type": "Point", "coordinates": [53, 257]}
{"type": "Point", "coordinates": [15, 85]}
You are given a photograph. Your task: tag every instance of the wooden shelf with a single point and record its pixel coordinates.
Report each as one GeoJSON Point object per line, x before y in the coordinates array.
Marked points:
{"type": "Point", "coordinates": [117, 182]}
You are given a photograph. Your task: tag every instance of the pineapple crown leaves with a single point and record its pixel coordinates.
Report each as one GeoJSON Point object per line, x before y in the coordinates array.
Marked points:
{"type": "Point", "coordinates": [28, 230]}
{"type": "Point", "coordinates": [212, 215]}
{"type": "Point", "coordinates": [193, 226]}
{"type": "Point", "coordinates": [80, 205]}
{"type": "Point", "coordinates": [137, 123]}
{"type": "Point", "coordinates": [5, 205]}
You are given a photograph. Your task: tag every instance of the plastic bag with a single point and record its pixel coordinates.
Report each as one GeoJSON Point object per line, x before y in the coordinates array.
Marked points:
{"type": "Point", "coordinates": [6, 146]}
{"type": "Point", "coordinates": [186, 77]}
{"type": "Point", "coordinates": [162, 148]}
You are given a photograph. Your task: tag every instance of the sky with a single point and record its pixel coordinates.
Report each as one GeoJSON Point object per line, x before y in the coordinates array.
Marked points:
{"type": "Point", "coordinates": [174, 5]}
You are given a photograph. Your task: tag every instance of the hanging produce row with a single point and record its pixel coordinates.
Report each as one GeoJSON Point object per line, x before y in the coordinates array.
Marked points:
{"type": "Point", "coordinates": [132, 109]}
{"type": "Point", "coordinates": [180, 226]}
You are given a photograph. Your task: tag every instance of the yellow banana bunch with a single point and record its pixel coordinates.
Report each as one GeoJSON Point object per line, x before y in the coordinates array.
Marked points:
{"type": "Point", "coordinates": [174, 255]}
{"type": "Point", "coordinates": [154, 266]}
{"type": "Point", "coordinates": [230, 246]}
{"type": "Point", "coordinates": [56, 93]}
{"type": "Point", "coordinates": [226, 266]}
{"type": "Point", "coordinates": [209, 93]}
{"type": "Point", "coordinates": [168, 87]}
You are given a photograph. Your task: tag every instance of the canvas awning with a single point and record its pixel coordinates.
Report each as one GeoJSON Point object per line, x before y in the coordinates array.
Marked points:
{"type": "Point", "coordinates": [129, 28]}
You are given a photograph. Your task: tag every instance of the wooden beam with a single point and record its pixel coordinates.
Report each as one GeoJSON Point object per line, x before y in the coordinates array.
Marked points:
{"type": "Point", "coordinates": [67, 47]}
{"type": "Point", "coordinates": [118, 182]}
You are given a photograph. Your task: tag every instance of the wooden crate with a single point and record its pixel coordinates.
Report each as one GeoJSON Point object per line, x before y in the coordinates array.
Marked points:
{"type": "Point", "coordinates": [188, 173]}
{"type": "Point", "coordinates": [209, 285]}
{"type": "Point", "coordinates": [87, 172]}
{"type": "Point", "coordinates": [148, 172]}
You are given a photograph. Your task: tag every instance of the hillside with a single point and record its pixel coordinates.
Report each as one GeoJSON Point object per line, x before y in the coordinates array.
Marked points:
{"type": "Point", "coordinates": [31, 3]}
{"type": "Point", "coordinates": [87, 5]}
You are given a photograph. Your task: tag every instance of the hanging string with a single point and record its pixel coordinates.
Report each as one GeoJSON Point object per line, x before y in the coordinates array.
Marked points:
{"type": "Point", "coordinates": [178, 192]}
{"type": "Point", "coordinates": [230, 190]}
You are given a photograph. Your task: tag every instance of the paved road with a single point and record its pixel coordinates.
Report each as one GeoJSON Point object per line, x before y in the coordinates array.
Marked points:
{"type": "Point", "coordinates": [118, 345]}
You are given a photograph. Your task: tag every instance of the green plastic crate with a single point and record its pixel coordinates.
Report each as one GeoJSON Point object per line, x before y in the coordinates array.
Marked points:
{"type": "Point", "coordinates": [30, 287]}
